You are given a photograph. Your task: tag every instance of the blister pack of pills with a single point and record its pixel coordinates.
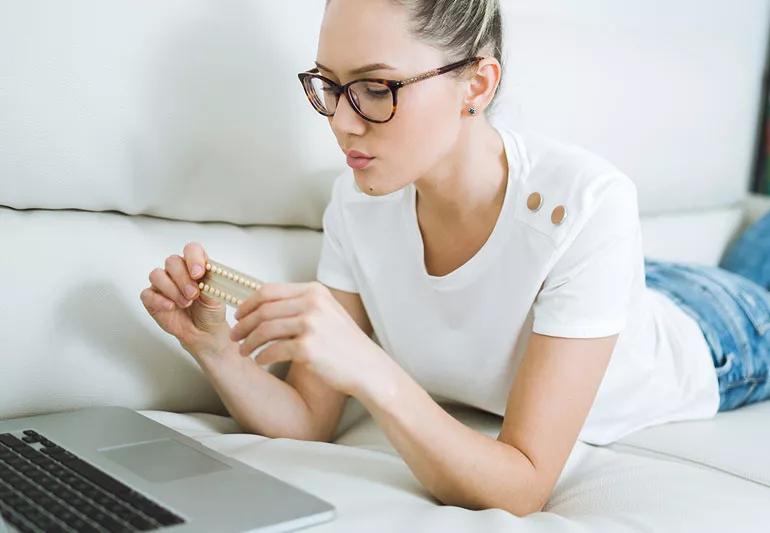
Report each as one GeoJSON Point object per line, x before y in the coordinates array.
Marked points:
{"type": "Point", "coordinates": [227, 284]}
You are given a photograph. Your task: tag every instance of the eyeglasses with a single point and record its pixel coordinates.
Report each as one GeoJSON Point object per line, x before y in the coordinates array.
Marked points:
{"type": "Point", "coordinates": [374, 99]}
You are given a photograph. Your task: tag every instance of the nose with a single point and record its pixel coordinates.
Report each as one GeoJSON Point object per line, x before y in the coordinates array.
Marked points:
{"type": "Point", "coordinates": [345, 118]}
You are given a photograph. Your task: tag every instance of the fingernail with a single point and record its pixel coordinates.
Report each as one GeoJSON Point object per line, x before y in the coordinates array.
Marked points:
{"type": "Point", "coordinates": [197, 270]}
{"type": "Point", "coordinates": [189, 290]}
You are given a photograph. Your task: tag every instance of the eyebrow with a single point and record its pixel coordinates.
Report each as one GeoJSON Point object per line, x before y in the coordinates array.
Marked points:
{"type": "Point", "coordinates": [360, 70]}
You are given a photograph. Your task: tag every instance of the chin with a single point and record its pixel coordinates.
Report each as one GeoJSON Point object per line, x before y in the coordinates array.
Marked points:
{"type": "Point", "coordinates": [364, 184]}
{"type": "Point", "coordinates": [364, 180]}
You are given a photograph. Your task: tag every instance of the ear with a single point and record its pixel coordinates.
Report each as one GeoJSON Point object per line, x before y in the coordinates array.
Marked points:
{"type": "Point", "coordinates": [483, 83]}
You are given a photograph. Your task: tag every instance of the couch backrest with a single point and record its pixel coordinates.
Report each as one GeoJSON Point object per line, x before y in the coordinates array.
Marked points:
{"type": "Point", "coordinates": [142, 106]}
{"type": "Point", "coordinates": [668, 90]}
{"type": "Point", "coordinates": [185, 110]}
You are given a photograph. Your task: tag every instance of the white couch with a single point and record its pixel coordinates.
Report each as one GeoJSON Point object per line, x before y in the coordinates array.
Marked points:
{"type": "Point", "coordinates": [128, 128]}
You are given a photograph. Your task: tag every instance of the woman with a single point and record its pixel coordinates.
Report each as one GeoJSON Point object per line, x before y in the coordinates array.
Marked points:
{"type": "Point", "coordinates": [500, 270]}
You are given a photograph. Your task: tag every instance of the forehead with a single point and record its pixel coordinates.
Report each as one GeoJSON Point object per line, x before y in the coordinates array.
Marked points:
{"type": "Point", "coordinates": [355, 33]}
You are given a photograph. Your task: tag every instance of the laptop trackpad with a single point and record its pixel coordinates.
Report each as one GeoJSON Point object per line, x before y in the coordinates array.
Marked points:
{"type": "Point", "coordinates": [164, 460]}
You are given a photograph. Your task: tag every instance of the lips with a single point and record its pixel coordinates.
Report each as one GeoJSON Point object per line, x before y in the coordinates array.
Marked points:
{"type": "Point", "coordinates": [357, 159]}
{"type": "Point", "coordinates": [358, 155]}
{"type": "Point", "coordinates": [359, 162]}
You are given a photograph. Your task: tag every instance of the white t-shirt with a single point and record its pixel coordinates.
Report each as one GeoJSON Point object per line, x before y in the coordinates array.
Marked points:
{"type": "Point", "coordinates": [462, 335]}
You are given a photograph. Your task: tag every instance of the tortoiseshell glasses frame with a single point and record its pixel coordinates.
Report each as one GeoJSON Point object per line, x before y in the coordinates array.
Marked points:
{"type": "Point", "coordinates": [306, 79]}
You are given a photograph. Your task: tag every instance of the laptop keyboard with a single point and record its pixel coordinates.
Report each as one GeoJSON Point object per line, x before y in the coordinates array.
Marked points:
{"type": "Point", "coordinates": [47, 488]}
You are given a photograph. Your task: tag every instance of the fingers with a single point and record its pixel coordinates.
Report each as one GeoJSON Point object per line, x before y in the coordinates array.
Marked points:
{"type": "Point", "coordinates": [275, 353]}
{"type": "Point", "coordinates": [271, 291]}
{"type": "Point", "coordinates": [266, 311]}
{"type": "Point", "coordinates": [154, 301]}
{"type": "Point", "coordinates": [195, 258]}
{"type": "Point", "coordinates": [165, 285]}
{"type": "Point", "coordinates": [177, 269]}
{"type": "Point", "coordinates": [279, 328]}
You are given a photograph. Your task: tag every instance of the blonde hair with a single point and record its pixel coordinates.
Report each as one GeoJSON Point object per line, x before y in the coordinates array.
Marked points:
{"type": "Point", "coordinates": [459, 28]}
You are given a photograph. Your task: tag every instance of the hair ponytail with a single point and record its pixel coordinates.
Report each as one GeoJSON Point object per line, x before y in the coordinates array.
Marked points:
{"type": "Point", "coordinates": [460, 28]}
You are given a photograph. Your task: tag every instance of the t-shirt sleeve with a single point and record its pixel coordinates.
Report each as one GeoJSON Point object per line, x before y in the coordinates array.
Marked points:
{"type": "Point", "coordinates": [587, 292]}
{"type": "Point", "coordinates": [333, 268]}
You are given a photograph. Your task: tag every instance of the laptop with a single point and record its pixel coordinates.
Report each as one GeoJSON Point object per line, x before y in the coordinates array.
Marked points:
{"type": "Point", "coordinates": [112, 469]}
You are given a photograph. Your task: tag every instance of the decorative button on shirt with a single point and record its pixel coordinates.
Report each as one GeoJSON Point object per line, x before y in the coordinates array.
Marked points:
{"type": "Point", "coordinates": [534, 201]}
{"type": "Point", "coordinates": [558, 214]}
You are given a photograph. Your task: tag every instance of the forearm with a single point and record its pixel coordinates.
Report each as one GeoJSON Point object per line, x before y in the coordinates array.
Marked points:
{"type": "Point", "coordinates": [259, 401]}
{"type": "Point", "coordinates": [458, 465]}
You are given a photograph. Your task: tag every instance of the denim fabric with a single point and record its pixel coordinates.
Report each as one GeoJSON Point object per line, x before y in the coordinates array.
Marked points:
{"type": "Point", "coordinates": [749, 255]}
{"type": "Point", "coordinates": [731, 303]}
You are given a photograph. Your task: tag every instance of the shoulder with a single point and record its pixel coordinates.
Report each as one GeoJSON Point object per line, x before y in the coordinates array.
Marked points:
{"type": "Point", "coordinates": [563, 186]}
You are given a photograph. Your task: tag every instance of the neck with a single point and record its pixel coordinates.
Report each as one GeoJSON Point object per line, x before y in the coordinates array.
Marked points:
{"type": "Point", "coordinates": [472, 179]}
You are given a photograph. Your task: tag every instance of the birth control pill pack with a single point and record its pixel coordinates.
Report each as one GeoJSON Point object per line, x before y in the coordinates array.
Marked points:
{"type": "Point", "coordinates": [227, 284]}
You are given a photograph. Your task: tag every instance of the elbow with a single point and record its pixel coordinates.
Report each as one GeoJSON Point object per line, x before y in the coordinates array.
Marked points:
{"type": "Point", "coordinates": [310, 438]}
{"type": "Point", "coordinates": [531, 498]}
{"type": "Point", "coordinates": [522, 505]}
{"type": "Point", "coordinates": [317, 432]}
{"type": "Point", "coordinates": [533, 505]}
{"type": "Point", "coordinates": [526, 499]}
{"type": "Point", "coordinates": [521, 490]}
{"type": "Point", "coordinates": [325, 436]}
{"type": "Point", "coordinates": [533, 501]}
{"type": "Point", "coordinates": [298, 432]}
{"type": "Point", "coordinates": [304, 435]}
{"type": "Point", "coordinates": [312, 434]}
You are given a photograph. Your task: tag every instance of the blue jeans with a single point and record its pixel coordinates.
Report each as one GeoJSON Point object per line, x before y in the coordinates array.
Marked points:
{"type": "Point", "coordinates": [731, 303]}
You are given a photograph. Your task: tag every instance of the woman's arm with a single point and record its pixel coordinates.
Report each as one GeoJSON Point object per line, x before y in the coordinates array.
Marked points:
{"type": "Point", "coordinates": [552, 392]}
{"type": "Point", "coordinates": [326, 403]}
{"type": "Point", "coordinates": [301, 407]}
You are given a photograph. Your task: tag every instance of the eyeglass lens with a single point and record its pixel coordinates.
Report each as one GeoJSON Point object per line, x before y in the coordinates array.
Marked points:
{"type": "Point", "coordinates": [373, 99]}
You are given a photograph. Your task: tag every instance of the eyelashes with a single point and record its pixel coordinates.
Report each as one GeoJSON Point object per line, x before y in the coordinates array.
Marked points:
{"type": "Point", "coordinates": [227, 284]}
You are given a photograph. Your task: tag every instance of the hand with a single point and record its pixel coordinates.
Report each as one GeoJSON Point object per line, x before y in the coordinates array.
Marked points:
{"type": "Point", "coordinates": [310, 327]}
{"type": "Point", "coordinates": [197, 321]}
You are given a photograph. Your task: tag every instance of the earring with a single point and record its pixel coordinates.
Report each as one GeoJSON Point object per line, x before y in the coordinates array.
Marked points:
{"type": "Point", "coordinates": [472, 110]}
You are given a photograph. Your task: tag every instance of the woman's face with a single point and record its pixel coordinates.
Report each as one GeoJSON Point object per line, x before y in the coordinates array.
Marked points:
{"type": "Point", "coordinates": [355, 33]}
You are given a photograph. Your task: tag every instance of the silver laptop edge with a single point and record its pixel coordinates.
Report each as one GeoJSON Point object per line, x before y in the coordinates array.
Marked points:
{"type": "Point", "coordinates": [210, 491]}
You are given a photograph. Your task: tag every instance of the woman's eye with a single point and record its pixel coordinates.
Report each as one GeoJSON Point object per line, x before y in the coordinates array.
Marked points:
{"type": "Point", "coordinates": [378, 94]}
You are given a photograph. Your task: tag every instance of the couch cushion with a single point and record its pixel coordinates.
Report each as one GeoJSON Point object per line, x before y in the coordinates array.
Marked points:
{"type": "Point", "coordinates": [600, 489]}
{"type": "Point", "coordinates": [73, 328]}
{"type": "Point", "coordinates": [734, 441]}
{"type": "Point", "coordinates": [669, 236]}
